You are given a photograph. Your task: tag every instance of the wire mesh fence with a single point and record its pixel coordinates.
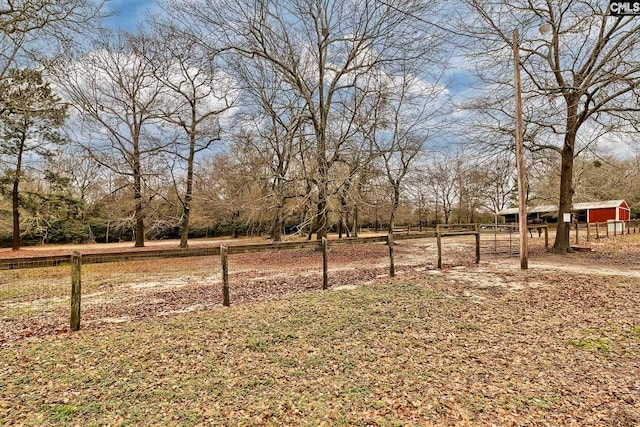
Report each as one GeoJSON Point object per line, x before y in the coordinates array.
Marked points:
{"type": "Point", "coordinates": [35, 293]}
{"type": "Point", "coordinates": [34, 299]}
{"type": "Point", "coordinates": [119, 287]}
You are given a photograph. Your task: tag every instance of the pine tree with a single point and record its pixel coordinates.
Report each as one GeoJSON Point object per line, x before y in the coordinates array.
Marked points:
{"type": "Point", "coordinates": [30, 119]}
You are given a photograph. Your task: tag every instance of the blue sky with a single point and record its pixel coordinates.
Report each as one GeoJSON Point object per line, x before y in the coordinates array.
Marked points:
{"type": "Point", "coordinates": [128, 13]}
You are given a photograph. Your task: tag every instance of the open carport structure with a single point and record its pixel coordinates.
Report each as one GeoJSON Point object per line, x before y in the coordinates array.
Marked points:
{"type": "Point", "coordinates": [588, 212]}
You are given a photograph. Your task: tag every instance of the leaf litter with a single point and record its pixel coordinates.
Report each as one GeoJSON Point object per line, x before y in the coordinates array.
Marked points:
{"type": "Point", "coordinates": [471, 345]}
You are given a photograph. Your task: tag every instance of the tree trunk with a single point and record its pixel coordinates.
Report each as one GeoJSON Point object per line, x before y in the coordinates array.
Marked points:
{"type": "Point", "coordinates": [321, 215]}
{"type": "Point", "coordinates": [16, 214]}
{"type": "Point", "coordinates": [394, 206]}
{"type": "Point", "coordinates": [139, 216]}
{"type": "Point", "coordinates": [186, 207]}
{"type": "Point", "coordinates": [562, 244]}
{"type": "Point", "coordinates": [323, 178]}
{"type": "Point", "coordinates": [346, 223]}
{"type": "Point", "coordinates": [139, 231]}
{"type": "Point", "coordinates": [15, 198]}
{"type": "Point", "coordinates": [276, 226]}
{"type": "Point", "coordinates": [184, 225]}
{"type": "Point", "coordinates": [354, 229]}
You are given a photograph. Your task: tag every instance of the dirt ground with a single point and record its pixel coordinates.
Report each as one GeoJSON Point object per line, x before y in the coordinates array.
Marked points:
{"type": "Point", "coordinates": [35, 302]}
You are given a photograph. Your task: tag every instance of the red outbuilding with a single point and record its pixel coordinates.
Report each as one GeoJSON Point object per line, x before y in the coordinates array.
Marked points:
{"type": "Point", "coordinates": [591, 212]}
{"type": "Point", "coordinates": [608, 210]}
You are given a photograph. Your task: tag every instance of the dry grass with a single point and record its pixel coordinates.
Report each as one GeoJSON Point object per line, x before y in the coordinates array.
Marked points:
{"type": "Point", "coordinates": [416, 351]}
{"type": "Point", "coordinates": [471, 345]}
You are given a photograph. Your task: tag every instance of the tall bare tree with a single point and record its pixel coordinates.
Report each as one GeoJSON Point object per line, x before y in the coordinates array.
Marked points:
{"type": "Point", "coordinates": [118, 98]}
{"type": "Point", "coordinates": [273, 125]}
{"type": "Point", "coordinates": [403, 122]}
{"type": "Point", "coordinates": [442, 174]}
{"type": "Point", "coordinates": [321, 48]}
{"type": "Point", "coordinates": [497, 187]}
{"type": "Point", "coordinates": [198, 94]}
{"type": "Point", "coordinates": [581, 79]}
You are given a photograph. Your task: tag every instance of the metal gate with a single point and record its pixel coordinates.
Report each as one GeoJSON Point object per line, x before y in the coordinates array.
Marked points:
{"type": "Point", "coordinates": [499, 239]}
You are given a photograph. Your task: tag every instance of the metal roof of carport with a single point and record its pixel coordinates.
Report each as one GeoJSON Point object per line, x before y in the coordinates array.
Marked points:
{"type": "Point", "coordinates": [576, 207]}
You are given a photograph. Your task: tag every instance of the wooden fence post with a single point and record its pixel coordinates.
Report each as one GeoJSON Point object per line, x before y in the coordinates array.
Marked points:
{"type": "Point", "coordinates": [224, 257]}
{"type": "Point", "coordinates": [546, 237]}
{"type": "Point", "coordinates": [577, 226]}
{"type": "Point", "coordinates": [597, 231]}
{"type": "Point", "coordinates": [477, 245]}
{"type": "Point", "coordinates": [325, 277]}
{"type": "Point", "coordinates": [392, 267]}
{"type": "Point", "coordinates": [588, 232]}
{"type": "Point", "coordinates": [76, 289]}
{"type": "Point", "coordinates": [439, 240]}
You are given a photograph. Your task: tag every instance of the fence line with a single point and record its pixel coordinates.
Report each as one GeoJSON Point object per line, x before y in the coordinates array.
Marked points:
{"type": "Point", "coordinates": [139, 254]}
{"type": "Point", "coordinates": [606, 229]}
{"type": "Point", "coordinates": [76, 259]}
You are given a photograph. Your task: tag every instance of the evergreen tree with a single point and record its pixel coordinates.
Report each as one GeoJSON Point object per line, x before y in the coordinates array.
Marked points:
{"type": "Point", "coordinates": [30, 119]}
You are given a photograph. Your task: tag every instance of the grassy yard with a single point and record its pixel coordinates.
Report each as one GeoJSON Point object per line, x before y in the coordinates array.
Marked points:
{"type": "Point", "coordinates": [426, 349]}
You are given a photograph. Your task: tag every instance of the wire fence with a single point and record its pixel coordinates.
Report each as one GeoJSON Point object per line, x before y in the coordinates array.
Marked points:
{"type": "Point", "coordinates": [118, 287]}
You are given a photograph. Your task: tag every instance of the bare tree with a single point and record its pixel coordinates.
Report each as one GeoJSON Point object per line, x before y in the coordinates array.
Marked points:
{"type": "Point", "coordinates": [581, 79]}
{"type": "Point", "coordinates": [273, 126]}
{"type": "Point", "coordinates": [441, 172]}
{"type": "Point", "coordinates": [404, 120]}
{"type": "Point", "coordinates": [198, 94]}
{"type": "Point", "coordinates": [498, 187]}
{"type": "Point", "coordinates": [356, 164]}
{"type": "Point", "coordinates": [321, 48]}
{"type": "Point", "coordinates": [117, 96]}
{"type": "Point", "coordinates": [24, 25]}
{"type": "Point", "coordinates": [419, 194]}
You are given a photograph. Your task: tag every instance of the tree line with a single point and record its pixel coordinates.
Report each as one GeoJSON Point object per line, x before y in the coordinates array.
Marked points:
{"type": "Point", "coordinates": [300, 116]}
